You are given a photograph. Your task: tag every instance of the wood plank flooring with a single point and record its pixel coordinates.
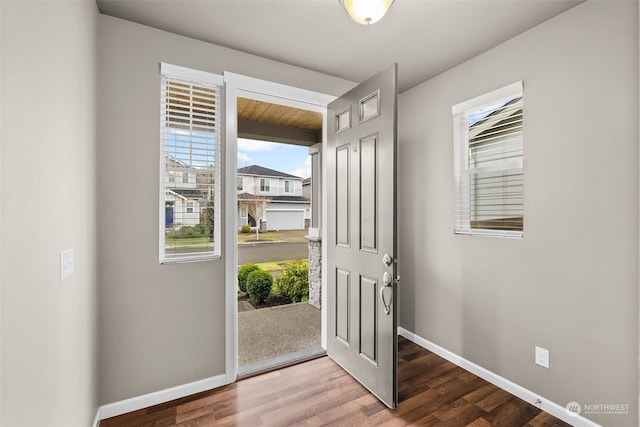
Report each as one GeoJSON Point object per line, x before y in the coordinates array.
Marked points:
{"type": "Point", "coordinates": [432, 392]}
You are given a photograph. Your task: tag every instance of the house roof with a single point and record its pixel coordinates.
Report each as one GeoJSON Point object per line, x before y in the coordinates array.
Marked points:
{"type": "Point", "coordinates": [273, 199]}
{"type": "Point", "coordinates": [262, 171]}
{"type": "Point", "coordinates": [503, 118]}
{"type": "Point", "coordinates": [249, 196]}
{"type": "Point", "coordinates": [306, 181]}
{"type": "Point", "coordinates": [187, 193]}
{"type": "Point", "coordinates": [175, 161]}
{"type": "Point", "coordinates": [289, 199]}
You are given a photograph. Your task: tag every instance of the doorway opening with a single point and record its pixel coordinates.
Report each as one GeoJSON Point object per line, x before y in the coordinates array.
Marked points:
{"type": "Point", "coordinates": [278, 322]}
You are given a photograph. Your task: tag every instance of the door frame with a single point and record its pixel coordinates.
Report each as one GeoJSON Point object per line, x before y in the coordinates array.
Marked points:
{"type": "Point", "coordinates": [237, 85]}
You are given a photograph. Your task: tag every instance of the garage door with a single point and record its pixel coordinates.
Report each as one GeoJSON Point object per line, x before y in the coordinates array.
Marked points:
{"type": "Point", "coordinates": [285, 219]}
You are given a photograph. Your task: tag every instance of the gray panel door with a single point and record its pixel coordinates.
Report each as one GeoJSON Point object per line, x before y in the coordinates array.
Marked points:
{"type": "Point", "coordinates": [361, 294]}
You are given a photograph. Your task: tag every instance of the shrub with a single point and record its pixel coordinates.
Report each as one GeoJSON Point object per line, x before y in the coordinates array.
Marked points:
{"type": "Point", "coordinates": [259, 283]}
{"type": "Point", "coordinates": [243, 272]}
{"type": "Point", "coordinates": [187, 231]}
{"type": "Point", "coordinates": [293, 281]}
{"type": "Point", "coordinates": [246, 228]}
{"type": "Point", "coordinates": [199, 229]}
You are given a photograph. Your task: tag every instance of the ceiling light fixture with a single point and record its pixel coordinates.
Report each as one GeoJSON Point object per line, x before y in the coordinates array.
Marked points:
{"type": "Point", "coordinates": [366, 12]}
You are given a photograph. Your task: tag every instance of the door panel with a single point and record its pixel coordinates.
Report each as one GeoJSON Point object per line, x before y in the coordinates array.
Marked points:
{"type": "Point", "coordinates": [343, 195]}
{"type": "Point", "coordinates": [368, 194]}
{"type": "Point", "coordinates": [342, 303]}
{"type": "Point", "coordinates": [368, 318]}
{"type": "Point", "coordinates": [361, 230]}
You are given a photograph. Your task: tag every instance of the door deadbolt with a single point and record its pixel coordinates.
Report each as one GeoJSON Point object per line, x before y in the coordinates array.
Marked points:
{"type": "Point", "coordinates": [387, 260]}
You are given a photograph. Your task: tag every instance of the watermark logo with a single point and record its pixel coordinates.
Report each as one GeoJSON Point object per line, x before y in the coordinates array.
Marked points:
{"type": "Point", "coordinates": [573, 409]}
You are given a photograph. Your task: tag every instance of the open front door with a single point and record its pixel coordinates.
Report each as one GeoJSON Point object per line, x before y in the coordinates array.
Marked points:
{"type": "Point", "coordinates": [361, 230]}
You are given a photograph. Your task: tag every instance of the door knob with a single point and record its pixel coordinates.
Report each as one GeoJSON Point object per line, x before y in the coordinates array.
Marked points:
{"type": "Point", "coordinates": [386, 279]}
{"type": "Point", "coordinates": [387, 282]}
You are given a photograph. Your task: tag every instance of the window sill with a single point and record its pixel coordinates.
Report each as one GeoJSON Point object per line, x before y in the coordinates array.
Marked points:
{"type": "Point", "coordinates": [189, 259]}
{"type": "Point", "coordinates": [489, 233]}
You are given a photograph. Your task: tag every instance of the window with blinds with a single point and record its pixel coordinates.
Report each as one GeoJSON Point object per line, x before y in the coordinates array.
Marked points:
{"type": "Point", "coordinates": [488, 164]}
{"type": "Point", "coordinates": [190, 134]}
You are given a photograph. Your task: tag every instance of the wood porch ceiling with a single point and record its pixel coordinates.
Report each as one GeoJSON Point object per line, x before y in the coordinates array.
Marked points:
{"type": "Point", "coordinates": [264, 112]}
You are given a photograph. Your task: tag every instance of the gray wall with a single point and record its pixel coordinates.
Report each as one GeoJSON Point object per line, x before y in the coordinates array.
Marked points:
{"type": "Point", "coordinates": [571, 285]}
{"type": "Point", "coordinates": [48, 332]}
{"type": "Point", "coordinates": [159, 326]}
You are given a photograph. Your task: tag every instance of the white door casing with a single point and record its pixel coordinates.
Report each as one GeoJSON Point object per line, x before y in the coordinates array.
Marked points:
{"type": "Point", "coordinates": [248, 87]}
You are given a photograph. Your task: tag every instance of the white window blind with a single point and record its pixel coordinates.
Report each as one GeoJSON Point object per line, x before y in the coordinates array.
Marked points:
{"type": "Point", "coordinates": [190, 135]}
{"type": "Point", "coordinates": [488, 164]}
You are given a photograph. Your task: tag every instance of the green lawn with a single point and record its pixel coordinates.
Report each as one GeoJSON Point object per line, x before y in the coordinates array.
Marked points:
{"type": "Point", "coordinates": [273, 266]}
{"type": "Point", "coordinates": [267, 236]}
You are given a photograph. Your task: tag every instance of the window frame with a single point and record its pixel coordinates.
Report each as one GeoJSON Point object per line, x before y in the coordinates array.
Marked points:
{"type": "Point", "coordinates": [267, 185]}
{"type": "Point", "coordinates": [178, 75]}
{"type": "Point", "coordinates": [291, 183]}
{"type": "Point", "coordinates": [506, 167]}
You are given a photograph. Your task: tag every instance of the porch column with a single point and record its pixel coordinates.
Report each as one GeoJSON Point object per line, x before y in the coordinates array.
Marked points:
{"type": "Point", "coordinates": [315, 241]}
{"type": "Point", "coordinates": [315, 270]}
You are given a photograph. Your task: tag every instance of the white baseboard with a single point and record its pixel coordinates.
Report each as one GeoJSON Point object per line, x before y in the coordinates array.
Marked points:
{"type": "Point", "coordinates": [157, 397]}
{"type": "Point", "coordinates": [96, 420]}
{"type": "Point", "coordinates": [546, 405]}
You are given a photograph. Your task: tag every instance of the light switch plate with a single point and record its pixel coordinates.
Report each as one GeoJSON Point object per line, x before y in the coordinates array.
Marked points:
{"type": "Point", "coordinates": [542, 357]}
{"type": "Point", "coordinates": [66, 264]}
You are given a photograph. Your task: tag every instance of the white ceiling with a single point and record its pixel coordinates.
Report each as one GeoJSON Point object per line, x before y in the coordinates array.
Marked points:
{"type": "Point", "coordinates": [425, 37]}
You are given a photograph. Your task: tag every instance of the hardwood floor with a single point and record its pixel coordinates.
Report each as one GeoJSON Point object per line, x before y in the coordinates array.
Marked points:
{"type": "Point", "coordinates": [432, 392]}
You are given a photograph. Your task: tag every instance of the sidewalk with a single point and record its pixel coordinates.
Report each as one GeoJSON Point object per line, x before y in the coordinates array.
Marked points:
{"type": "Point", "coordinates": [284, 236]}
{"type": "Point", "coordinates": [271, 333]}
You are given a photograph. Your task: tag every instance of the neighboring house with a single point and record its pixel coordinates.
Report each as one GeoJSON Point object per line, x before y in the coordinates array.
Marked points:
{"type": "Point", "coordinates": [306, 188]}
{"type": "Point", "coordinates": [186, 196]}
{"type": "Point", "coordinates": [282, 205]}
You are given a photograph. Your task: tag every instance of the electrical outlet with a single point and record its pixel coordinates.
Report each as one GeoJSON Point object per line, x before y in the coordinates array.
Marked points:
{"type": "Point", "coordinates": [542, 357]}
{"type": "Point", "coordinates": [66, 264]}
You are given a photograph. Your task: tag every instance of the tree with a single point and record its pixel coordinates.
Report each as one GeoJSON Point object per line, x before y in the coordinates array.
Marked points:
{"type": "Point", "coordinates": [207, 218]}
{"type": "Point", "coordinates": [256, 207]}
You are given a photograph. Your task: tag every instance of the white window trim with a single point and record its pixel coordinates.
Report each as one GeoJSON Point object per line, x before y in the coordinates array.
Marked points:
{"type": "Point", "coordinates": [191, 75]}
{"type": "Point", "coordinates": [477, 102]}
{"type": "Point", "coordinates": [197, 77]}
{"type": "Point", "coordinates": [509, 91]}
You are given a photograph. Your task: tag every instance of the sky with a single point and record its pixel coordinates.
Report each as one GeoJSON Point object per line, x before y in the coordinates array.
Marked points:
{"type": "Point", "coordinates": [291, 159]}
